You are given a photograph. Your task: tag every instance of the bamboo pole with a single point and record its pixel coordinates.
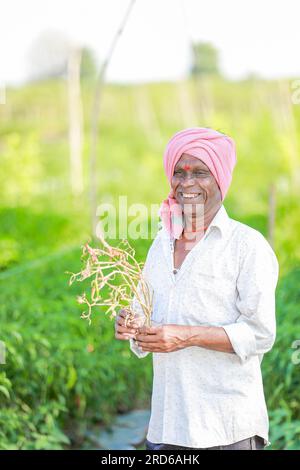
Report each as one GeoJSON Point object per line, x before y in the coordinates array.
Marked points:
{"type": "Point", "coordinates": [75, 121]}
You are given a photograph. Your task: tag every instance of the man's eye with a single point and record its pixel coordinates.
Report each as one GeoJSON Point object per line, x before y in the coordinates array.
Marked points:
{"type": "Point", "coordinates": [196, 173]}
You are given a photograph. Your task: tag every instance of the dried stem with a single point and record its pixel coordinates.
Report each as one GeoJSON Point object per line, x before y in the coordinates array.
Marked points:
{"type": "Point", "coordinates": [122, 275]}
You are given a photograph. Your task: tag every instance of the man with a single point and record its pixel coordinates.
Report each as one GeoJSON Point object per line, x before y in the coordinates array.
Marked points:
{"type": "Point", "coordinates": [214, 282]}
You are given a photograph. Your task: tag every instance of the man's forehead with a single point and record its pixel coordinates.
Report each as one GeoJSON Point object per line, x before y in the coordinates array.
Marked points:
{"type": "Point", "coordinates": [188, 161]}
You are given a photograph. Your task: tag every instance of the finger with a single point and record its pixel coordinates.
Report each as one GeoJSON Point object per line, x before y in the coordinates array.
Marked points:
{"type": "Point", "coordinates": [121, 321]}
{"type": "Point", "coordinates": [151, 347]}
{"type": "Point", "coordinates": [149, 330]}
{"type": "Point", "coordinates": [129, 320]}
{"type": "Point", "coordinates": [124, 329]}
{"type": "Point", "coordinates": [123, 336]}
{"type": "Point", "coordinates": [153, 350]}
{"type": "Point", "coordinates": [124, 313]}
{"type": "Point", "coordinates": [146, 338]}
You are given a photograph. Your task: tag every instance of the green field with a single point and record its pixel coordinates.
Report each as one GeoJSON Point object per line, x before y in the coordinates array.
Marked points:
{"type": "Point", "coordinates": [62, 375]}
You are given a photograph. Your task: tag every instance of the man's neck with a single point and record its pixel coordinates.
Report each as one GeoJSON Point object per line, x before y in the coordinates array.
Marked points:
{"type": "Point", "coordinates": [194, 224]}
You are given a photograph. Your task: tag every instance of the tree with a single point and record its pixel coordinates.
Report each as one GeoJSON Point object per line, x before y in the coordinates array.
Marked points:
{"type": "Point", "coordinates": [205, 59]}
{"type": "Point", "coordinates": [75, 120]}
{"type": "Point", "coordinates": [88, 64]}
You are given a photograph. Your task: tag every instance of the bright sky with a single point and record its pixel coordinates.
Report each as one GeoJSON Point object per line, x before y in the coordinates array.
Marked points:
{"type": "Point", "coordinates": [261, 36]}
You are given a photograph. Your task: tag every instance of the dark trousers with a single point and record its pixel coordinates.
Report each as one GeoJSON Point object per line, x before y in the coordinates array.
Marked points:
{"type": "Point", "coordinates": [251, 443]}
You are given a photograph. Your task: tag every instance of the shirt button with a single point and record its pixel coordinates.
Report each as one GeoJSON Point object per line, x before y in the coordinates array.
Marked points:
{"type": "Point", "coordinates": [175, 271]}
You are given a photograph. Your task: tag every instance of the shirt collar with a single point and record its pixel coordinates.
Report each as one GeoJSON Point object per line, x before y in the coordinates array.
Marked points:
{"type": "Point", "coordinates": [221, 221]}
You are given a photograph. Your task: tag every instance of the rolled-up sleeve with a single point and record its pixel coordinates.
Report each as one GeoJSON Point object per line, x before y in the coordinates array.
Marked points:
{"type": "Point", "coordinates": [254, 331]}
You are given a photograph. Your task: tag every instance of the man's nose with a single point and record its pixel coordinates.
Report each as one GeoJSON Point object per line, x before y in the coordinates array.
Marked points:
{"type": "Point", "coordinates": [188, 180]}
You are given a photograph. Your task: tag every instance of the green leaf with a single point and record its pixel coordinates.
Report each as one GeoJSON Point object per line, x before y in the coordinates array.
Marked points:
{"type": "Point", "coordinates": [4, 391]}
{"type": "Point", "coordinates": [72, 378]}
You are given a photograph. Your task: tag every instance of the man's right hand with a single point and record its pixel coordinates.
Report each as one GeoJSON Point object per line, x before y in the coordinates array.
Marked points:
{"type": "Point", "coordinates": [121, 331]}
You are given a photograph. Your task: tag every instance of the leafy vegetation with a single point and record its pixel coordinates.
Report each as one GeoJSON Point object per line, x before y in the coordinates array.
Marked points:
{"type": "Point", "coordinates": [62, 374]}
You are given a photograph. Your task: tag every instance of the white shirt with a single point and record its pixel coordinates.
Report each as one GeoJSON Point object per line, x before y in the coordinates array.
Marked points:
{"type": "Point", "coordinates": [201, 397]}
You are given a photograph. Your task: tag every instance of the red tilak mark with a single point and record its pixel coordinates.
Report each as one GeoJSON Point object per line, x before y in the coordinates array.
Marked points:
{"type": "Point", "coordinates": [186, 167]}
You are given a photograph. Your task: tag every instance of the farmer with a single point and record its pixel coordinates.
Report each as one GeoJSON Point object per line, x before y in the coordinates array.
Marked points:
{"type": "Point", "coordinates": [214, 281]}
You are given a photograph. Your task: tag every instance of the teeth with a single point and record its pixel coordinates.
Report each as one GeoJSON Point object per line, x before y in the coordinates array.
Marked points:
{"type": "Point", "coordinates": [190, 195]}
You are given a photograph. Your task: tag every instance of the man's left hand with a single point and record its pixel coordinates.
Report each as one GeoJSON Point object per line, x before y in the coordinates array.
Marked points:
{"type": "Point", "coordinates": [162, 338]}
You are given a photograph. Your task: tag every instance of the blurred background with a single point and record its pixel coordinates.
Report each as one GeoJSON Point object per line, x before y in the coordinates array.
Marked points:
{"type": "Point", "coordinates": [90, 93]}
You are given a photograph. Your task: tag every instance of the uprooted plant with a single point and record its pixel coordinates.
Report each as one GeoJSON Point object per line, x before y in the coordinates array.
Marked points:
{"type": "Point", "coordinates": [117, 282]}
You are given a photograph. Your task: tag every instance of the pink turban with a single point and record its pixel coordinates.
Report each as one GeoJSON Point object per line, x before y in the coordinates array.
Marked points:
{"type": "Point", "coordinates": [215, 149]}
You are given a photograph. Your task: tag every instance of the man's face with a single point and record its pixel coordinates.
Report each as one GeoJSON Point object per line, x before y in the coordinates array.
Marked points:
{"type": "Point", "coordinates": [192, 177]}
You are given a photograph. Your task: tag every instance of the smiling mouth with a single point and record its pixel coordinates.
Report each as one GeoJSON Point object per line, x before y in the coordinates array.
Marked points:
{"type": "Point", "coordinates": [189, 196]}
